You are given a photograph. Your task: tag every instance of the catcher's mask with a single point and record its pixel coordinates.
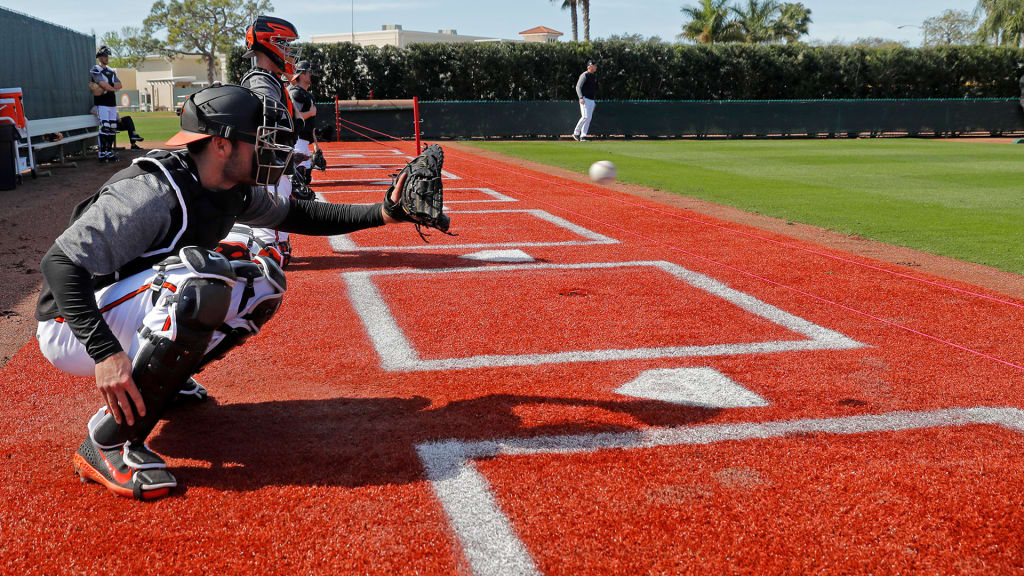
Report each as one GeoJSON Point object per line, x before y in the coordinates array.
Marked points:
{"type": "Point", "coordinates": [273, 37]}
{"type": "Point", "coordinates": [103, 51]}
{"type": "Point", "coordinates": [239, 114]}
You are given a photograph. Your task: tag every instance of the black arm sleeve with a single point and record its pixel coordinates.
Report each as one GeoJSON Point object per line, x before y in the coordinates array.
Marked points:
{"type": "Point", "coordinates": [72, 290]}
{"type": "Point", "coordinates": [325, 219]}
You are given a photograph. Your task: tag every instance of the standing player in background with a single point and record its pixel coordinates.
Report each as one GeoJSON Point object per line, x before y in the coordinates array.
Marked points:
{"type": "Point", "coordinates": [268, 41]}
{"type": "Point", "coordinates": [586, 90]}
{"type": "Point", "coordinates": [305, 110]}
{"type": "Point", "coordinates": [106, 104]}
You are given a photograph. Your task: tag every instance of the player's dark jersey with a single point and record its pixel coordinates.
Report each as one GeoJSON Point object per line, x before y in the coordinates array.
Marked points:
{"type": "Point", "coordinates": [100, 73]}
{"type": "Point", "coordinates": [303, 102]}
{"type": "Point", "coordinates": [266, 83]}
{"type": "Point", "coordinates": [199, 217]}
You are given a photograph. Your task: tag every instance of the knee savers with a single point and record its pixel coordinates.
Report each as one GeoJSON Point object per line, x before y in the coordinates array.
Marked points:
{"type": "Point", "coordinates": [258, 293]}
{"type": "Point", "coordinates": [162, 364]}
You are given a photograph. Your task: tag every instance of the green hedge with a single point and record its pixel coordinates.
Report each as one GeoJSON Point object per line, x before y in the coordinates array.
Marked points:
{"type": "Point", "coordinates": [526, 71]}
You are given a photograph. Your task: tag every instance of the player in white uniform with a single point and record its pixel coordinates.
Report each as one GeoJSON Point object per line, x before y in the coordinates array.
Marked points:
{"type": "Point", "coordinates": [106, 104]}
{"type": "Point", "coordinates": [305, 110]}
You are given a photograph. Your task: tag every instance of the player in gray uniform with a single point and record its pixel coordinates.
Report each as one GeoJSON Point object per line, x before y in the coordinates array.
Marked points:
{"type": "Point", "coordinates": [268, 42]}
{"type": "Point", "coordinates": [106, 104]}
{"type": "Point", "coordinates": [133, 293]}
{"type": "Point", "coordinates": [586, 90]}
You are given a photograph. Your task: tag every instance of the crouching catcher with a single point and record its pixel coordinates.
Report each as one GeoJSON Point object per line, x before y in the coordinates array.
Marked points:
{"type": "Point", "coordinates": [136, 294]}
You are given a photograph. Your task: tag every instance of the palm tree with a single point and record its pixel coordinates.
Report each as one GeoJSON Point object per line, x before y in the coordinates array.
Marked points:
{"type": "Point", "coordinates": [570, 5]}
{"type": "Point", "coordinates": [709, 23]}
{"type": "Point", "coordinates": [794, 21]}
{"type": "Point", "coordinates": [758, 21]}
{"type": "Point", "coordinates": [1003, 22]}
{"type": "Point", "coordinates": [585, 8]}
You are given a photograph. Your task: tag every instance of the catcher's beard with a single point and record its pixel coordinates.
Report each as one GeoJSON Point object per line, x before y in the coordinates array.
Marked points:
{"type": "Point", "coordinates": [241, 163]}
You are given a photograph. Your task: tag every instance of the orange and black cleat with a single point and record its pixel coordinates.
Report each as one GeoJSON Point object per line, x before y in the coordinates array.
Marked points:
{"type": "Point", "coordinates": [128, 471]}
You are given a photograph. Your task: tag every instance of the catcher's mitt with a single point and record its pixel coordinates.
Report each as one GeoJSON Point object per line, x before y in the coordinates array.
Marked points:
{"type": "Point", "coordinates": [96, 89]}
{"type": "Point", "coordinates": [421, 201]}
{"type": "Point", "coordinates": [319, 162]}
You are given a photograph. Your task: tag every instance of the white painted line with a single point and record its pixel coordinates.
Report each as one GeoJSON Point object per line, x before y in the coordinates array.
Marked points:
{"type": "Point", "coordinates": [382, 327]}
{"type": "Point", "coordinates": [487, 536]}
{"type": "Point", "coordinates": [345, 244]}
{"type": "Point", "coordinates": [499, 256]}
{"type": "Point", "coordinates": [494, 195]}
{"type": "Point", "coordinates": [703, 386]}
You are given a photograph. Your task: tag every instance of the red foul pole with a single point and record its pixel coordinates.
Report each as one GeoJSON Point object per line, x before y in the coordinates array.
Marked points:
{"type": "Point", "coordinates": [416, 121]}
{"type": "Point", "coordinates": [337, 119]}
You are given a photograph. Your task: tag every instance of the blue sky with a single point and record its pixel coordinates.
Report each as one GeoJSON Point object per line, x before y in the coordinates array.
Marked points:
{"type": "Point", "coordinates": [833, 19]}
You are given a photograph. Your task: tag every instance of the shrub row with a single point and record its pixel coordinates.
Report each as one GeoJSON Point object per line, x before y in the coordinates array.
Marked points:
{"type": "Point", "coordinates": [521, 71]}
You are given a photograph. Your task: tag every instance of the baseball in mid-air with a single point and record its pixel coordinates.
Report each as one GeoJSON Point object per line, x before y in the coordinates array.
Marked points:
{"type": "Point", "coordinates": [603, 172]}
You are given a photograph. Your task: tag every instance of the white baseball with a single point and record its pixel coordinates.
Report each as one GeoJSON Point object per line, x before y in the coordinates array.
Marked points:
{"type": "Point", "coordinates": [603, 172]}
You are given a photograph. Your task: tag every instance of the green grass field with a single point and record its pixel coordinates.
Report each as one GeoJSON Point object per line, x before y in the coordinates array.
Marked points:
{"type": "Point", "coordinates": [153, 126]}
{"type": "Point", "coordinates": [959, 199]}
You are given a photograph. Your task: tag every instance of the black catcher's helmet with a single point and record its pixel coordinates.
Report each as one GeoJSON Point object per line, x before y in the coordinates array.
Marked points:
{"type": "Point", "coordinates": [103, 51]}
{"type": "Point", "coordinates": [239, 114]}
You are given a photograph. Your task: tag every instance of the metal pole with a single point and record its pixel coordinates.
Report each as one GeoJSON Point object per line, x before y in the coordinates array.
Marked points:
{"type": "Point", "coordinates": [337, 120]}
{"type": "Point", "coordinates": [416, 121]}
{"type": "Point", "coordinates": [353, 21]}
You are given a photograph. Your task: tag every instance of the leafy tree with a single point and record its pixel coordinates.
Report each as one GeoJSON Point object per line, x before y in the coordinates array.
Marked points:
{"type": "Point", "coordinates": [758, 21]}
{"type": "Point", "coordinates": [635, 39]}
{"type": "Point", "coordinates": [1003, 21]}
{"type": "Point", "coordinates": [951, 28]}
{"type": "Point", "coordinates": [709, 22]}
{"type": "Point", "coordinates": [130, 46]}
{"type": "Point", "coordinates": [203, 27]}
{"type": "Point", "coordinates": [793, 22]}
{"type": "Point", "coordinates": [875, 42]}
{"type": "Point", "coordinates": [570, 5]}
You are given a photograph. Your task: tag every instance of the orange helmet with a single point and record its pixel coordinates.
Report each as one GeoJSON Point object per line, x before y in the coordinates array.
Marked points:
{"type": "Point", "coordinates": [273, 37]}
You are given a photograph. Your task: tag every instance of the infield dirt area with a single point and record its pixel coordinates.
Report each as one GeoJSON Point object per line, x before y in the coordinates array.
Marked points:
{"type": "Point", "coordinates": [584, 380]}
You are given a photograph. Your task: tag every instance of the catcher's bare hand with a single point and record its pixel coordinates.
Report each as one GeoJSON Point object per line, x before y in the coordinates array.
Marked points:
{"type": "Point", "coordinates": [114, 379]}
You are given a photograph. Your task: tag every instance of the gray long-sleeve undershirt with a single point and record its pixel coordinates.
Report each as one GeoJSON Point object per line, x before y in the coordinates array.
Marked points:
{"type": "Point", "coordinates": [135, 213]}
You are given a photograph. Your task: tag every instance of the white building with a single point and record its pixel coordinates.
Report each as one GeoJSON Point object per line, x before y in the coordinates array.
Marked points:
{"type": "Point", "coordinates": [394, 35]}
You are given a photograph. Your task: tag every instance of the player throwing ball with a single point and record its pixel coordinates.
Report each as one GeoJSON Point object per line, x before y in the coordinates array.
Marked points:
{"type": "Point", "coordinates": [134, 294]}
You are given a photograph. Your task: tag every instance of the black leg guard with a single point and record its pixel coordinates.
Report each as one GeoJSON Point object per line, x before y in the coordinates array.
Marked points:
{"type": "Point", "coordinates": [162, 366]}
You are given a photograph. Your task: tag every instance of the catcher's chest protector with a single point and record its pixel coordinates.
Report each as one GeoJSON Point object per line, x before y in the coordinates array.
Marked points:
{"type": "Point", "coordinates": [200, 218]}
{"type": "Point", "coordinates": [284, 98]}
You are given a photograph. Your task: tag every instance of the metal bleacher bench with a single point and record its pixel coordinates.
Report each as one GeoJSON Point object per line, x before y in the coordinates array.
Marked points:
{"type": "Point", "coordinates": [72, 129]}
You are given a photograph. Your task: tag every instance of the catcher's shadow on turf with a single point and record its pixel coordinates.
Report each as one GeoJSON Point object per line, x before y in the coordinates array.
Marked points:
{"type": "Point", "coordinates": [354, 442]}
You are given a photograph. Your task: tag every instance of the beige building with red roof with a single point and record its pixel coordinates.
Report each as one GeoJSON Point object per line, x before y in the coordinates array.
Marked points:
{"type": "Point", "coordinates": [540, 34]}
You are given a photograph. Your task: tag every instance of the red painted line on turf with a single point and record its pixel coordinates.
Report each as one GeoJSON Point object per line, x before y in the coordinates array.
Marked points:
{"type": "Point", "coordinates": [756, 276]}
{"type": "Point", "coordinates": [742, 233]}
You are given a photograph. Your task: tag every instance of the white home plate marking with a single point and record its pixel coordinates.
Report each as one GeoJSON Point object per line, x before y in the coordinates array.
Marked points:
{"type": "Point", "coordinates": [343, 243]}
{"type": "Point", "coordinates": [499, 256]}
{"type": "Point", "coordinates": [398, 354]}
{"type": "Point", "coordinates": [705, 387]}
{"type": "Point", "coordinates": [489, 540]}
